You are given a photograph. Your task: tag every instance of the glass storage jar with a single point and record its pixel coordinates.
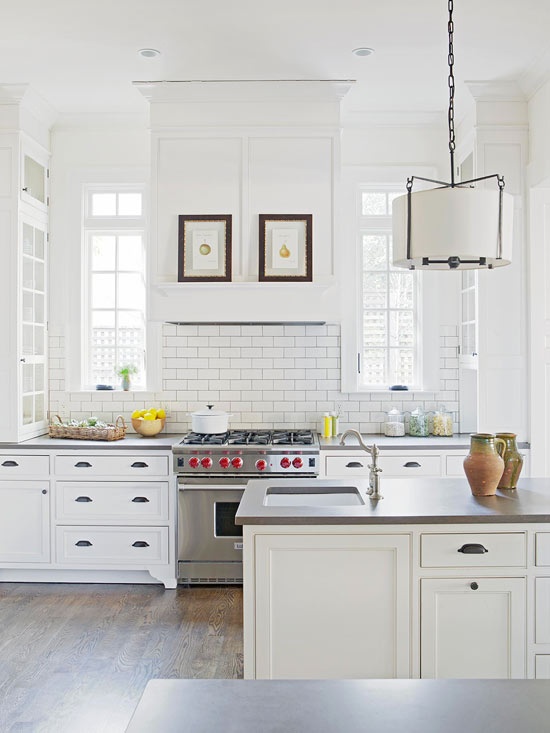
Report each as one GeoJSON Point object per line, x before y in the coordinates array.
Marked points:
{"type": "Point", "coordinates": [442, 423]}
{"type": "Point", "coordinates": [394, 425]}
{"type": "Point", "coordinates": [419, 425]}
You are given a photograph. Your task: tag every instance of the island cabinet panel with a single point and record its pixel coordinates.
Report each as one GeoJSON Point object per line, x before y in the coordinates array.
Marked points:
{"type": "Point", "coordinates": [24, 522]}
{"type": "Point", "coordinates": [473, 628]}
{"type": "Point", "coordinates": [332, 606]}
{"type": "Point", "coordinates": [542, 666]}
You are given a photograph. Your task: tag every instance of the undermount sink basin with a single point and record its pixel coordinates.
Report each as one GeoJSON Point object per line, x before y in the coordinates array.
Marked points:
{"type": "Point", "coordinates": [313, 496]}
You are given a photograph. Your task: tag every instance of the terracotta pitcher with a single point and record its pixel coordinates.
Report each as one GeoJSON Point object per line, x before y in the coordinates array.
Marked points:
{"type": "Point", "coordinates": [483, 465]}
{"type": "Point", "coordinates": [513, 461]}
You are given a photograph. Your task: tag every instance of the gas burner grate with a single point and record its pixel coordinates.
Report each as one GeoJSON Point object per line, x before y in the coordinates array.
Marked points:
{"type": "Point", "coordinates": [249, 437]}
{"type": "Point", "coordinates": [205, 439]}
{"type": "Point", "coordinates": [292, 437]}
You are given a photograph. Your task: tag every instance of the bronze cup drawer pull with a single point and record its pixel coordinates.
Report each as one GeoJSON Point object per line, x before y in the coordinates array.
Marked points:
{"type": "Point", "coordinates": [411, 464]}
{"type": "Point", "coordinates": [140, 543]}
{"type": "Point", "coordinates": [472, 548]}
{"type": "Point", "coordinates": [140, 500]}
{"type": "Point", "coordinates": [354, 464]}
{"type": "Point", "coordinates": [82, 464]}
{"type": "Point", "coordinates": [10, 464]}
{"type": "Point", "coordinates": [83, 499]}
{"type": "Point", "coordinates": [139, 464]}
{"type": "Point", "coordinates": [83, 543]}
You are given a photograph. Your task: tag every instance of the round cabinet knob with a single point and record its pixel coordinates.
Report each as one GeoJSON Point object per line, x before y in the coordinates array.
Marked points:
{"type": "Point", "coordinates": [474, 585]}
{"type": "Point", "coordinates": [237, 462]}
{"type": "Point", "coordinates": [297, 462]}
{"type": "Point", "coordinates": [224, 462]}
{"type": "Point", "coordinates": [206, 462]}
{"type": "Point", "coordinates": [194, 462]}
{"type": "Point", "coordinates": [285, 462]}
{"type": "Point", "coordinates": [261, 464]}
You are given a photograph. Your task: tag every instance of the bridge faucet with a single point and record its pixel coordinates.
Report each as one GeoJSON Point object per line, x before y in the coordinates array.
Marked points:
{"type": "Point", "coordinates": [373, 451]}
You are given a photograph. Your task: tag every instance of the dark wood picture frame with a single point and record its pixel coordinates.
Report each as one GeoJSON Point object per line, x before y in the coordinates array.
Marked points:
{"type": "Point", "coordinates": [295, 262]}
{"type": "Point", "coordinates": [215, 230]}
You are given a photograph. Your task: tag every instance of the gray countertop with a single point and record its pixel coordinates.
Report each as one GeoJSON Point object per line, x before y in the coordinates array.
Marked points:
{"type": "Point", "coordinates": [352, 706]}
{"type": "Point", "coordinates": [132, 441]}
{"type": "Point", "coordinates": [406, 501]}
{"type": "Point", "coordinates": [405, 442]}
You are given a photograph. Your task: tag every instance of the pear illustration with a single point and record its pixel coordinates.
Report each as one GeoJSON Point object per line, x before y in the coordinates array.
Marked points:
{"type": "Point", "coordinates": [284, 251]}
{"type": "Point", "coordinates": [205, 249]}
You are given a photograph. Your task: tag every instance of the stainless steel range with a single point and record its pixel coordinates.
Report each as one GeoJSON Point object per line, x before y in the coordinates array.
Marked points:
{"type": "Point", "coordinates": [213, 470]}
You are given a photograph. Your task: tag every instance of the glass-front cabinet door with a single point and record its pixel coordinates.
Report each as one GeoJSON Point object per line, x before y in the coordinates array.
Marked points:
{"type": "Point", "coordinates": [33, 327]}
{"type": "Point", "coordinates": [34, 177]}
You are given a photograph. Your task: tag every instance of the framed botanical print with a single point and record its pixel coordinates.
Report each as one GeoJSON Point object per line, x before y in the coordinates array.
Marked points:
{"type": "Point", "coordinates": [285, 248]}
{"type": "Point", "coordinates": [204, 248]}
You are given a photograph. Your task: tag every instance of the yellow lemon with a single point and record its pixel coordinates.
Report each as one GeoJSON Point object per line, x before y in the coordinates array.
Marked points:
{"type": "Point", "coordinates": [161, 414]}
{"type": "Point", "coordinates": [136, 414]}
{"type": "Point", "coordinates": [150, 416]}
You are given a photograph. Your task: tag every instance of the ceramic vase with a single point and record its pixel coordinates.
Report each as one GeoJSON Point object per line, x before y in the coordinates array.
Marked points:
{"type": "Point", "coordinates": [483, 465]}
{"type": "Point", "coordinates": [126, 383]}
{"type": "Point", "coordinates": [513, 461]}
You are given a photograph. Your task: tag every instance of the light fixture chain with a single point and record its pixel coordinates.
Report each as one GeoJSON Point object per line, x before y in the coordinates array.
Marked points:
{"type": "Point", "coordinates": [451, 83]}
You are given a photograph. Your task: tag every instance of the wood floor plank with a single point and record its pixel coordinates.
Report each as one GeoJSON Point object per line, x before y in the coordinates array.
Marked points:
{"type": "Point", "coordinates": [77, 657]}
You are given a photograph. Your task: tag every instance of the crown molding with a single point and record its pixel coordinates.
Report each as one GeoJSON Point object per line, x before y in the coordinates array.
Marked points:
{"type": "Point", "coordinates": [496, 91]}
{"type": "Point", "coordinates": [247, 90]}
{"type": "Point", "coordinates": [27, 98]}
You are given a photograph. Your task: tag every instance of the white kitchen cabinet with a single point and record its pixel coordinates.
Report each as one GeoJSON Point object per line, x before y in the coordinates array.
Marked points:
{"type": "Point", "coordinates": [330, 606]}
{"type": "Point", "coordinates": [24, 521]}
{"type": "Point", "coordinates": [115, 509]}
{"type": "Point", "coordinates": [473, 627]}
{"type": "Point", "coordinates": [23, 287]}
{"type": "Point", "coordinates": [404, 464]}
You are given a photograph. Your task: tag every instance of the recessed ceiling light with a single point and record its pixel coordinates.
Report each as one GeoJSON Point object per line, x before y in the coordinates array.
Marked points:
{"type": "Point", "coordinates": [363, 51]}
{"type": "Point", "coordinates": [148, 53]}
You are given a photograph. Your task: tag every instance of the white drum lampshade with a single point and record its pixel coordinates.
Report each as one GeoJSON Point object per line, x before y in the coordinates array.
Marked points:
{"type": "Point", "coordinates": [453, 228]}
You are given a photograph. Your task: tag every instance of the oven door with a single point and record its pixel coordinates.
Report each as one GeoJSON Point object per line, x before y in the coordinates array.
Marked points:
{"type": "Point", "coordinates": [209, 542]}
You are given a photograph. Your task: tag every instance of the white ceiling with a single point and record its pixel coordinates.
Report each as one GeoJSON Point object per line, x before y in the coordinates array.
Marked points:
{"type": "Point", "coordinates": [82, 56]}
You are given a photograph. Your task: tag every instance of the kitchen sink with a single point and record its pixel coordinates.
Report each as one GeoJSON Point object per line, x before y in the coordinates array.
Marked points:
{"type": "Point", "coordinates": [313, 496]}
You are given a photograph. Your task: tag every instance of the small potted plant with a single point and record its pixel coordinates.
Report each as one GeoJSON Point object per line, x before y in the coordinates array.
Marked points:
{"type": "Point", "coordinates": [124, 372]}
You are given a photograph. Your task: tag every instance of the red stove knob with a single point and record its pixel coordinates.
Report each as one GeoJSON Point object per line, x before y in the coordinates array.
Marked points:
{"type": "Point", "coordinates": [224, 462]}
{"type": "Point", "coordinates": [285, 462]}
{"type": "Point", "coordinates": [261, 464]}
{"type": "Point", "coordinates": [297, 462]}
{"type": "Point", "coordinates": [206, 462]}
{"type": "Point", "coordinates": [194, 462]}
{"type": "Point", "coordinates": [237, 462]}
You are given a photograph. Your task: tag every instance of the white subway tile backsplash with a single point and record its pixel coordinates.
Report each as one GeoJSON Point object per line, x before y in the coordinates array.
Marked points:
{"type": "Point", "coordinates": [265, 376]}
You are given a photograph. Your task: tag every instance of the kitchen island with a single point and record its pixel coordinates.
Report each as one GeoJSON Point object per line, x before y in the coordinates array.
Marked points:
{"type": "Point", "coordinates": [353, 706]}
{"type": "Point", "coordinates": [427, 582]}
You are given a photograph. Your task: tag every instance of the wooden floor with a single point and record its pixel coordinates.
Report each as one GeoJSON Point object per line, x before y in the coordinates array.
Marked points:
{"type": "Point", "coordinates": [76, 658]}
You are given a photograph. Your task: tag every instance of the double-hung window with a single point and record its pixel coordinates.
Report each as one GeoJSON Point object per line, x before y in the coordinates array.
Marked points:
{"type": "Point", "coordinates": [390, 334]}
{"type": "Point", "coordinates": [114, 284]}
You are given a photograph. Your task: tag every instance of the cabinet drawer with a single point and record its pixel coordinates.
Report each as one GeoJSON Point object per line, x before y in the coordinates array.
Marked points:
{"type": "Point", "coordinates": [443, 550]}
{"type": "Point", "coordinates": [347, 465]}
{"type": "Point", "coordinates": [18, 465]}
{"type": "Point", "coordinates": [542, 549]}
{"type": "Point", "coordinates": [410, 466]}
{"type": "Point", "coordinates": [139, 502]}
{"type": "Point", "coordinates": [122, 546]}
{"type": "Point", "coordinates": [122, 465]}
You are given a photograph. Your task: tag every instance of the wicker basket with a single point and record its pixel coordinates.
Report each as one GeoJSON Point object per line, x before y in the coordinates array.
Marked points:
{"type": "Point", "coordinates": [111, 432]}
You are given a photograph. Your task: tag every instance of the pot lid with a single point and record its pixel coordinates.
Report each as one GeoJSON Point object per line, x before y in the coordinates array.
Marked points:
{"type": "Point", "coordinates": [208, 411]}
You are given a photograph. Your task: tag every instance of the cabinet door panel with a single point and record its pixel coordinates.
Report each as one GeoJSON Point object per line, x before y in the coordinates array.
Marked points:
{"type": "Point", "coordinates": [542, 666]}
{"type": "Point", "coordinates": [469, 632]}
{"type": "Point", "coordinates": [24, 522]}
{"type": "Point", "coordinates": [542, 610]}
{"type": "Point", "coordinates": [332, 606]}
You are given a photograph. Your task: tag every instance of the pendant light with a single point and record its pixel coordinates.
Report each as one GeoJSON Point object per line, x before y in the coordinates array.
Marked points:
{"type": "Point", "coordinates": [453, 226]}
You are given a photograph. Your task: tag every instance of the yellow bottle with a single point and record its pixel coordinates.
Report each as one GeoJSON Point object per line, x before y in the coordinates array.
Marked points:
{"type": "Point", "coordinates": [327, 425]}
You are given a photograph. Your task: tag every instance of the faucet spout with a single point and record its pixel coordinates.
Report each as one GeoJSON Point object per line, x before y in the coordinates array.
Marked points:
{"type": "Point", "coordinates": [374, 470]}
